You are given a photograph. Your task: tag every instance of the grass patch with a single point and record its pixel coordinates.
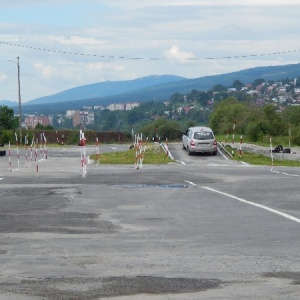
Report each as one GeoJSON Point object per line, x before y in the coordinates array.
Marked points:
{"type": "Point", "coordinates": [265, 141]}
{"type": "Point", "coordinates": [260, 159]}
{"type": "Point", "coordinates": [153, 154]}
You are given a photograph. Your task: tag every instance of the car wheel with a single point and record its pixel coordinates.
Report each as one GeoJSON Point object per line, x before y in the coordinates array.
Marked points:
{"type": "Point", "coordinates": [189, 151]}
{"type": "Point", "coordinates": [183, 146]}
{"type": "Point", "coordinates": [215, 152]}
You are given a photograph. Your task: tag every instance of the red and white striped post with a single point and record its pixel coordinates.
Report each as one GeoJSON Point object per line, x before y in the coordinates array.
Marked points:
{"type": "Point", "coordinates": [271, 151]}
{"type": "Point", "coordinates": [41, 144]}
{"type": "Point", "coordinates": [45, 146]}
{"type": "Point", "coordinates": [167, 147]}
{"type": "Point", "coordinates": [9, 157]}
{"type": "Point", "coordinates": [26, 149]}
{"type": "Point", "coordinates": [17, 144]}
{"type": "Point", "coordinates": [97, 145]}
{"type": "Point", "coordinates": [233, 130]}
{"type": "Point", "coordinates": [139, 150]}
{"type": "Point", "coordinates": [31, 149]}
{"type": "Point", "coordinates": [240, 147]}
{"type": "Point", "coordinates": [83, 152]}
{"type": "Point", "coordinates": [36, 160]}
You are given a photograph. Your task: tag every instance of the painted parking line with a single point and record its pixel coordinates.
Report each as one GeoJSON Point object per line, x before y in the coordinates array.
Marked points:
{"type": "Point", "coordinates": [284, 173]}
{"type": "Point", "coordinates": [254, 204]}
{"type": "Point", "coordinates": [224, 156]}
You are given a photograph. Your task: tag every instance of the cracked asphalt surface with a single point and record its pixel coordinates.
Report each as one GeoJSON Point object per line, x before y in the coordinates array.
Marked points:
{"type": "Point", "coordinates": [153, 233]}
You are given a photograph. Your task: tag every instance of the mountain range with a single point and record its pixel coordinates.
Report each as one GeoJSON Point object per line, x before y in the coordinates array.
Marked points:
{"type": "Point", "coordinates": [156, 88]}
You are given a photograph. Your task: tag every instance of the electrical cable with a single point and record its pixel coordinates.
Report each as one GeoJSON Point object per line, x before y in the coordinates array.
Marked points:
{"type": "Point", "coordinates": [148, 58]}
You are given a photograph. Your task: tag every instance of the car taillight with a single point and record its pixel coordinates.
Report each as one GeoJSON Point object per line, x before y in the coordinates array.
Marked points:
{"type": "Point", "coordinates": [192, 143]}
{"type": "Point", "coordinates": [215, 142]}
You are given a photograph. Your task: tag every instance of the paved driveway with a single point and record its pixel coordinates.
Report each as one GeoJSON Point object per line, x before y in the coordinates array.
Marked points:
{"type": "Point", "coordinates": [208, 228]}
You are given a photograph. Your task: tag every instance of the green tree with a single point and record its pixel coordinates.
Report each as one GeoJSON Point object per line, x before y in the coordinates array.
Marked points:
{"type": "Point", "coordinates": [8, 120]}
{"type": "Point", "coordinates": [257, 82]}
{"type": "Point", "coordinates": [177, 97]}
{"type": "Point", "coordinates": [42, 127]}
{"type": "Point", "coordinates": [275, 120]}
{"type": "Point", "coordinates": [226, 113]}
{"type": "Point", "coordinates": [134, 116]}
{"type": "Point", "coordinates": [110, 121]}
{"type": "Point", "coordinates": [292, 115]}
{"type": "Point", "coordinates": [164, 128]}
{"type": "Point", "coordinates": [219, 88]}
{"type": "Point", "coordinates": [257, 129]}
{"type": "Point", "coordinates": [237, 85]}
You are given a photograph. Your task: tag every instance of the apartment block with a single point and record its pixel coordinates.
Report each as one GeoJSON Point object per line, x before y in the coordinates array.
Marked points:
{"type": "Point", "coordinates": [32, 121]}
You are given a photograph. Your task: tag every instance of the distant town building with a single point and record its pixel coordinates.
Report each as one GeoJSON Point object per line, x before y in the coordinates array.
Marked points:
{"type": "Point", "coordinates": [131, 105]}
{"type": "Point", "coordinates": [83, 118]}
{"type": "Point", "coordinates": [99, 107]}
{"type": "Point", "coordinates": [297, 91]}
{"type": "Point", "coordinates": [71, 113]}
{"type": "Point", "coordinates": [32, 121]}
{"type": "Point", "coordinates": [282, 90]}
{"type": "Point", "coordinates": [123, 106]}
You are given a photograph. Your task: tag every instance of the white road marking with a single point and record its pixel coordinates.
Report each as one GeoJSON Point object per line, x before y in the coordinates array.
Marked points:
{"type": "Point", "coordinates": [223, 154]}
{"type": "Point", "coordinates": [222, 165]}
{"type": "Point", "coordinates": [191, 183]}
{"type": "Point", "coordinates": [283, 173]}
{"type": "Point", "coordinates": [255, 204]}
{"type": "Point", "coordinates": [1, 178]}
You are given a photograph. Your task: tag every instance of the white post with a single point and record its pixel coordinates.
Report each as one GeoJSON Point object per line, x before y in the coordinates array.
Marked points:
{"type": "Point", "coordinates": [271, 150]}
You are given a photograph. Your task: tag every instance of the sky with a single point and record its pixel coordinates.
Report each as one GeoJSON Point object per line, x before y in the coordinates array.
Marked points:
{"type": "Point", "coordinates": [63, 44]}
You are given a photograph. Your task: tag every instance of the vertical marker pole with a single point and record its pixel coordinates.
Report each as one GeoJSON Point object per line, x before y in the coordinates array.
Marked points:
{"type": "Point", "coordinates": [41, 144]}
{"type": "Point", "coordinates": [81, 147]}
{"type": "Point", "coordinates": [17, 143]}
{"type": "Point", "coordinates": [97, 145]}
{"type": "Point", "coordinates": [31, 150]}
{"type": "Point", "coordinates": [36, 160]}
{"type": "Point", "coordinates": [271, 147]}
{"type": "Point", "coordinates": [26, 154]}
{"type": "Point", "coordinates": [57, 140]}
{"type": "Point", "coordinates": [9, 158]}
{"type": "Point", "coordinates": [233, 130]}
{"type": "Point", "coordinates": [240, 149]}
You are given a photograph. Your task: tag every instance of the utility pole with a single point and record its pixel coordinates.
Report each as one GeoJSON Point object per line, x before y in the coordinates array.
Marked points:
{"type": "Point", "coordinates": [19, 96]}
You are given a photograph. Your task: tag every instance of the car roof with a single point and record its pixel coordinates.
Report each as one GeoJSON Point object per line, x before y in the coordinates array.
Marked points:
{"type": "Point", "coordinates": [200, 128]}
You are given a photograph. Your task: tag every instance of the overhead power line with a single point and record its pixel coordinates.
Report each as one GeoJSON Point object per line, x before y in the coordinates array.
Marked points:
{"type": "Point", "coordinates": [147, 58]}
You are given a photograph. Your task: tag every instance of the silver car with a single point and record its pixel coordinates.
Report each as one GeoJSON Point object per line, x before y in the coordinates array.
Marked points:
{"type": "Point", "coordinates": [199, 139]}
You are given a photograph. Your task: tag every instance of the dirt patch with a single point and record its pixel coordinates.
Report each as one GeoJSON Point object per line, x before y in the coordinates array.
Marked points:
{"type": "Point", "coordinates": [94, 288]}
{"type": "Point", "coordinates": [294, 276]}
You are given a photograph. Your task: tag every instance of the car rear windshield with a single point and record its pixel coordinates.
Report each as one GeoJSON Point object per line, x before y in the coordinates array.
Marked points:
{"type": "Point", "coordinates": [203, 135]}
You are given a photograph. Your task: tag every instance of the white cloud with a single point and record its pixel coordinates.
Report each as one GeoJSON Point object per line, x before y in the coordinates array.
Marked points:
{"type": "Point", "coordinates": [75, 40]}
{"type": "Point", "coordinates": [133, 4]}
{"type": "Point", "coordinates": [175, 53]}
{"type": "Point", "coordinates": [46, 71]}
{"type": "Point", "coordinates": [105, 67]}
{"type": "Point", "coordinates": [3, 77]}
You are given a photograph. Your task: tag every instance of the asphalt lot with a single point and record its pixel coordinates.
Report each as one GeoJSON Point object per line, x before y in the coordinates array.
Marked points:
{"type": "Point", "coordinates": [202, 227]}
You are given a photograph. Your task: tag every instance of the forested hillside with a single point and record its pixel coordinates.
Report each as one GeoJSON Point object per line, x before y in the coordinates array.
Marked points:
{"type": "Point", "coordinates": [152, 89]}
